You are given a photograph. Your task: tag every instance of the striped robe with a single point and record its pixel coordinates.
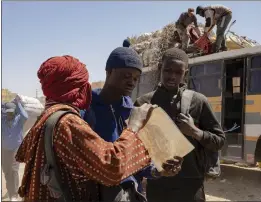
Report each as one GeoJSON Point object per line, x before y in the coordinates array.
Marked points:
{"type": "Point", "coordinates": [82, 157]}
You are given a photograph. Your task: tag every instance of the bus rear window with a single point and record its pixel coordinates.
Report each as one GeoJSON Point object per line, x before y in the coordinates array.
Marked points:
{"type": "Point", "coordinates": [213, 68]}
{"type": "Point", "coordinates": [256, 62]}
{"type": "Point", "coordinates": [206, 69]}
{"type": "Point", "coordinates": [254, 86]}
{"type": "Point", "coordinates": [197, 70]}
{"type": "Point", "coordinates": [205, 78]}
{"type": "Point", "coordinates": [255, 81]}
{"type": "Point", "coordinates": [207, 85]}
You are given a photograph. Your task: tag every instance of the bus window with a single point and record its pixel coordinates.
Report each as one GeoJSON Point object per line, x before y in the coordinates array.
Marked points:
{"type": "Point", "coordinates": [213, 68]}
{"type": "Point", "coordinates": [205, 78]}
{"type": "Point", "coordinates": [207, 85]}
{"type": "Point", "coordinates": [194, 84]}
{"type": "Point", "coordinates": [255, 75]}
{"type": "Point", "coordinates": [256, 62]}
{"type": "Point", "coordinates": [255, 81]}
{"type": "Point", "coordinates": [197, 70]}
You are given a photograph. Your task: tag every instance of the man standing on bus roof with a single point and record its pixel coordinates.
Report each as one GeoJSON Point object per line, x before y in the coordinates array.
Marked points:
{"type": "Point", "coordinates": [186, 19]}
{"type": "Point", "coordinates": [199, 125]}
{"type": "Point", "coordinates": [216, 15]}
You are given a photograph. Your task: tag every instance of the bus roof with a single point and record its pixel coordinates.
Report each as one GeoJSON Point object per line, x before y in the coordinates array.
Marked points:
{"type": "Point", "coordinates": [226, 55]}
{"type": "Point", "coordinates": [217, 56]}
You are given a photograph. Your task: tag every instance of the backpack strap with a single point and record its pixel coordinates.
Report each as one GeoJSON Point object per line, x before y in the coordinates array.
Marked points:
{"type": "Point", "coordinates": [186, 99]}
{"type": "Point", "coordinates": [54, 182]}
{"type": "Point", "coordinates": [207, 159]}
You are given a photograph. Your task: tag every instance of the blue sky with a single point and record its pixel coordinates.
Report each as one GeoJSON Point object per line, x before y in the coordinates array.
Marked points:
{"type": "Point", "coordinates": [35, 31]}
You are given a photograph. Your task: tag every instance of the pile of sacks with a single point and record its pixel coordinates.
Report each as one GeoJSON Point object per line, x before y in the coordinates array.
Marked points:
{"type": "Point", "coordinates": [150, 46]}
{"type": "Point", "coordinates": [34, 109]}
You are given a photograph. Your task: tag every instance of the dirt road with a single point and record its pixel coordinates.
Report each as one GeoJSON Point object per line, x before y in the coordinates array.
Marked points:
{"type": "Point", "coordinates": [233, 190]}
{"type": "Point", "coordinates": [234, 185]}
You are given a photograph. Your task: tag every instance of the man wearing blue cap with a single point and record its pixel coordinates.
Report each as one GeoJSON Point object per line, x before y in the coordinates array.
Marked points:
{"type": "Point", "coordinates": [13, 119]}
{"type": "Point", "coordinates": [110, 108]}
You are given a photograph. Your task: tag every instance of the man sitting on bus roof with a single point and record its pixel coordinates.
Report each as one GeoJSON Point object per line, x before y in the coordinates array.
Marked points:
{"type": "Point", "coordinates": [216, 15]}
{"type": "Point", "coordinates": [199, 125]}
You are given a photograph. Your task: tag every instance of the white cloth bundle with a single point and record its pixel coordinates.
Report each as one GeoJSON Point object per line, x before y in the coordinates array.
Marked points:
{"type": "Point", "coordinates": [32, 106]}
{"type": "Point", "coordinates": [25, 100]}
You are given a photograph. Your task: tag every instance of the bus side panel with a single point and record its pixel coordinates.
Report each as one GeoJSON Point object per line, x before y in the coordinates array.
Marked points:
{"type": "Point", "coordinates": [252, 125]}
{"type": "Point", "coordinates": [148, 82]}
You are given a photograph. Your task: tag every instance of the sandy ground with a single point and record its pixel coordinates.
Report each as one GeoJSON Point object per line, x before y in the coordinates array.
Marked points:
{"type": "Point", "coordinates": [21, 172]}
{"type": "Point", "coordinates": [229, 188]}
{"type": "Point", "coordinates": [233, 190]}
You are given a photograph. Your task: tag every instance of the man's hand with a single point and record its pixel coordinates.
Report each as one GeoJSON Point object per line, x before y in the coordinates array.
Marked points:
{"type": "Point", "coordinates": [187, 30]}
{"type": "Point", "coordinates": [198, 31]}
{"type": "Point", "coordinates": [187, 126]}
{"type": "Point", "coordinates": [187, 33]}
{"type": "Point", "coordinates": [205, 34]}
{"type": "Point", "coordinates": [172, 167]}
{"type": "Point", "coordinates": [139, 116]}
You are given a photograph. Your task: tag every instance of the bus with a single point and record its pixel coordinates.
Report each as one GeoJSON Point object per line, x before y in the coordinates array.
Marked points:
{"type": "Point", "coordinates": [231, 81]}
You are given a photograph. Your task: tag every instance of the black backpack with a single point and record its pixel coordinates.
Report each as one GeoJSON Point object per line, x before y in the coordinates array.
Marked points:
{"type": "Point", "coordinates": [50, 175]}
{"type": "Point", "coordinates": [208, 159]}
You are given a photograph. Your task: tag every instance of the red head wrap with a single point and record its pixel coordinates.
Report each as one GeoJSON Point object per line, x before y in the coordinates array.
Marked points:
{"type": "Point", "coordinates": [66, 80]}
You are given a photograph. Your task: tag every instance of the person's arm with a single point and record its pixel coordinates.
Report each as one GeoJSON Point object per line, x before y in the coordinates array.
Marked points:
{"type": "Point", "coordinates": [196, 25]}
{"type": "Point", "coordinates": [22, 112]}
{"type": "Point", "coordinates": [195, 21]}
{"type": "Point", "coordinates": [180, 21]}
{"type": "Point", "coordinates": [87, 155]}
{"type": "Point", "coordinates": [150, 172]}
{"type": "Point", "coordinates": [213, 136]}
{"type": "Point", "coordinates": [209, 15]}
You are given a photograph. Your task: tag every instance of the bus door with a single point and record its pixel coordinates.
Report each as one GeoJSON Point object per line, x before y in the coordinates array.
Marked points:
{"type": "Point", "coordinates": [233, 107]}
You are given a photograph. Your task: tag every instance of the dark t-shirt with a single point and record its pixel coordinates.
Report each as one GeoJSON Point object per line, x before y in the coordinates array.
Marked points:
{"type": "Point", "coordinates": [185, 20]}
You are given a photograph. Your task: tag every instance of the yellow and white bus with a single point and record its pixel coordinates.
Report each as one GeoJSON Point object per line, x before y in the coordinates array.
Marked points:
{"type": "Point", "coordinates": [232, 82]}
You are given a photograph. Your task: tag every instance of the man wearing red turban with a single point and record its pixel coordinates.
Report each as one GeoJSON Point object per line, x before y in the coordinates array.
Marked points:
{"type": "Point", "coordinates": [82, 155]}
{"type": "Point", "coordinates": [65, 80]}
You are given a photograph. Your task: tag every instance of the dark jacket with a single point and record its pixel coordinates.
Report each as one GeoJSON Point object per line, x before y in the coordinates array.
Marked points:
{"type": "Point", "coordinates": [200, 110]}
{"type": "Point", "coordinates": [185, 20]}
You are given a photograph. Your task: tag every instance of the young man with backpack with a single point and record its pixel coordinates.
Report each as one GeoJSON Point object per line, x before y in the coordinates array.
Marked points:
{"type": "Point", "coordinates": [193, 115]}
{"type": "Point", "coordinates": [110, 108]}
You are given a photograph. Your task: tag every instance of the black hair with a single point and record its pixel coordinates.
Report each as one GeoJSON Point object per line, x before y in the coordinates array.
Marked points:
{"type": "Point", "coordinates": [177, 54]}
{"type": "Point", "coordinates": [199, 10]}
